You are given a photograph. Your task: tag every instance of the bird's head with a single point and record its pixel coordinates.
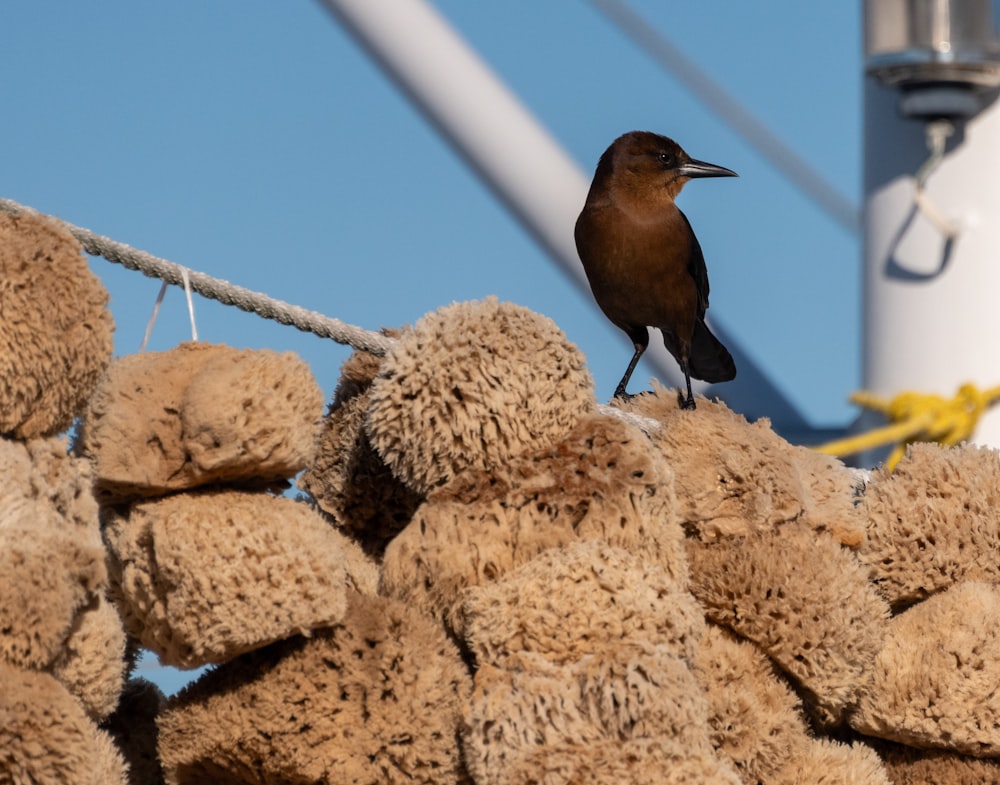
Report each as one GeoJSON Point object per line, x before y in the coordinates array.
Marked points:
{"type": "Point", "coordinates": [645, 161]}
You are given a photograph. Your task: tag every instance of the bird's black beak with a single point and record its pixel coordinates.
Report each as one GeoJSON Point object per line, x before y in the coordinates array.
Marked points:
{"type": "Point", "coordinates": [701, 169]}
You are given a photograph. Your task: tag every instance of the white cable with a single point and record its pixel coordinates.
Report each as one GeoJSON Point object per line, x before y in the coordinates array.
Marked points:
{"type": "Point", "coordinates": [152, 317]}
{"type": "Point", "coordinates": [937, 133]}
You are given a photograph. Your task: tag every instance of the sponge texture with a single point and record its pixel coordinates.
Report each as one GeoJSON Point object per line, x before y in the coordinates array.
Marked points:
{"type": "Point", "coordinates": [47, 739]}
{"type": "Point", "coordinates": [202, 577]}
{"type": "Point", "coordinates": [600, 483]}
{"type": "Point", "coordinates": [755, 719]}
{"type": "Point", "coordinates": [933, 522]}
{"type": "Point", "coordinates": [199, 414]}
{"type": "Point", "coordinates": [934, 682]}
{"type": "Point", "coordinates": [734, 478]}
{"type": "Point", "coordinates": [92, 663]}
{"type": "Point", "coordinates": [348, 479]}
{"type": "Point", "coordinates": [612, 762]}
{"type": "Point", "coordinates": [805, 600]}
{"type": "Point", "coordinates": [39, 604]}
{"type": "Point", "coordinates": [828, 762]}
{"type": "Point", "coordinates": [912, 766]}
{"type": "Point", "coordinates": [531, 704]}
{"type": "Point", "coordinates": [584, 598]}
{"type": "Point", "coordinates": [55, 328]}
{"type": "Point", "coordinates": [374, 700]}
{"type": "Point", "coordinates": [472, 385]}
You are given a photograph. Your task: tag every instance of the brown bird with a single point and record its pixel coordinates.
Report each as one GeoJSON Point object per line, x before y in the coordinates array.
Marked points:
{"type": "Point", "coordinates": [642, 259]}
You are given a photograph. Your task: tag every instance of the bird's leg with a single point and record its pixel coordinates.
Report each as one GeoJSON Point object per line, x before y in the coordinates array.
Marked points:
{"type": "Point", "coordinates": [686, 403]}
{"type": "Point", "coordinates": [620, 389]}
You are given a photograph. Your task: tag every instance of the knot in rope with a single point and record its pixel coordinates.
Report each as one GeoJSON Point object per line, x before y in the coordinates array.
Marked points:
{"type": "Point", "coordinates": [945, 420]}
{"type": "Point", "coordinates": [917, 417]}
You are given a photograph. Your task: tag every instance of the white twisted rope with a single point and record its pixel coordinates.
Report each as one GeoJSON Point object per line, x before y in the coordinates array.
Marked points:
{"type": "Point", "coordinates": [217, 289]}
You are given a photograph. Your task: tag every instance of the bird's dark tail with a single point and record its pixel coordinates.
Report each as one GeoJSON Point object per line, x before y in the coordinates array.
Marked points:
{"type": "Point", "coordinates": [710, 361]}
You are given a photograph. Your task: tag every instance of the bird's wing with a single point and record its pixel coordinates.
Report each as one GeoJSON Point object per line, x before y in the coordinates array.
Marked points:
{"type": "Point", "coordinates": [697, 268]}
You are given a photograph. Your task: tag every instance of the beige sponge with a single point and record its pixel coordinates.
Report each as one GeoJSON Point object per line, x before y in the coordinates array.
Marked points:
{"type": "Point", "coordinates": [347, 478]}
{"type": "Point", "coordinates": [530, 703]}
{"type": "Point", "coordinates": [48, 519]}
{"type": "Point", "coordinates": [828, 762]}
{"type": "Point", "coordinates": [471, 386]}
{"type": "Point", "coordinates": [733, 478]}
{"type": "Point", "coordinates": [48, 576]}
{"type": "Point", "coordinates": [756, 721]}
{"type": "Point", "coordinates": [374, 700]}
{"type": "Point", "coordinates": [583, 598]}
{"type": "Point", "coordinates": [201, 577]}
{"type": "Point", "coordinates": [613, 762]}
{"type": "Point", "coordinates": [912, 766]}
{"type": "Point", "coordinates": [933, 521]}
{"type": "Point", "coordinates": [56, 329]}
{"type": "Point", "coordinates": [199, 414]}
{"type": "Point", "coordinates": [601, 482]}
{"type": "Point", "coordinates": [935, 682]}
{"type": "Point", "coordinates": [805, 600]}
{"type": "Point", "coordinates": [40, 471]}
{"type": "Point", "coordinates": [92, 663]}
{"type": "Point", "coordinates": [47, 739]}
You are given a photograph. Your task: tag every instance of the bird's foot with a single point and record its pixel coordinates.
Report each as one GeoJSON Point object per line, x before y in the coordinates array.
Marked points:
{"type": "Point", "coordinates": [625, 397]}
{"type": "Point", "coordinates": [621, 395]}
{"type": "Point", "coordinates": [685, 401]}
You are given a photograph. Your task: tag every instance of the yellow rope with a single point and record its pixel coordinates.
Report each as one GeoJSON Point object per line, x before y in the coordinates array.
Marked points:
{"type": "Point", "coordinates": [916, 417]}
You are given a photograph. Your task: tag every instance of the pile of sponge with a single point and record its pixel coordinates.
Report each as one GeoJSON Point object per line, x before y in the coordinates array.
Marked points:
{"type": "Point", "coordinates": [487, 577]}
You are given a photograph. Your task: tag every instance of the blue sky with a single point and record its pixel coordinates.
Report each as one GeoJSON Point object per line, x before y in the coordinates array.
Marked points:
{"type": "Point", "coordinates": [256, 142]}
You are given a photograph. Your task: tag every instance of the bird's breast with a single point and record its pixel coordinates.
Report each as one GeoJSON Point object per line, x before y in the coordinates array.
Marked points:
{"type": "Point", "coordinates": [637, 263]}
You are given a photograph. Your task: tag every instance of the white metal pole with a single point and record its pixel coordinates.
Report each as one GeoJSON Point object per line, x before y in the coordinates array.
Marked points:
{"type": "Point", "coordinates": [931, 308]}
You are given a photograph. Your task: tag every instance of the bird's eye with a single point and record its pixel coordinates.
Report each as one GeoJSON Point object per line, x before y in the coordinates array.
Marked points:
{"type": "Point", "coordinates": [666, 159]}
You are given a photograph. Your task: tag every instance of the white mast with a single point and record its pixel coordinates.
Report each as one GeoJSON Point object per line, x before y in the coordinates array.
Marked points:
{"type": "Point", "coordinates": [932, 259]}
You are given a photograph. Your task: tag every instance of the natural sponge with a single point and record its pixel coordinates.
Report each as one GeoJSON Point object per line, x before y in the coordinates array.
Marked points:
{"type": "Point", "coordinates": [612, 762]}
{"type": "Point", "coordinates": [755, 719]}
{"type": "Point", "coordinates": [376, 699]}
{"type": "Point", "coordinates": [55, 327]}
{"type": "Point", "coordinates": [202, 577]}
{"type": "Point", "coordinates": [47, 517]}
{"type": "Point", "coordinates": [733, 478]}
{"type": "Point", "coordinates": [805, 600]}
{"type": "Point", "coordinates": [347, 478]}
{"type": "Point", "coordinates": [92, 663]}
{"type": "Point", "coordinates": [934, 682]}
{"type": "Point", "coordinates": [48, 575]}
{"type": "Point", "coordinates": [912, 766]}
{"type": "Point", "coordinates": [45, 737]}
{"type": "Point", "coordinates": [599, 483]}
{"type": "Point", "coordinates": [933, 522]}
{"type": "Point", "coordinates": [531, 704]}
{"type": "Point", "coordinates": [199, 414]}
{"type": "Point", "coordinates": [472, 385]}
{"type": "Point", "coordinates": [41, 472]}
{"type": "Point", "coordinates": [828, 762]}
{"type": "Point", "coordinates": [583, 598]}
